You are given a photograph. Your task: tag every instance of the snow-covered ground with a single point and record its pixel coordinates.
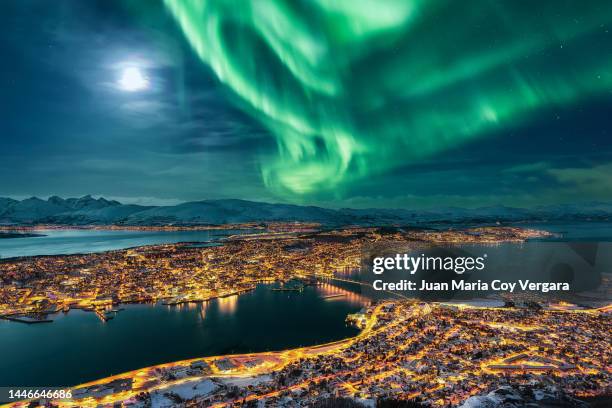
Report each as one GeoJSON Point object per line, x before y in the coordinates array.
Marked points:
{"type": "Point", "coordinates": [245, 381]}
{"type": "Point", "coordinates": [187, 390]}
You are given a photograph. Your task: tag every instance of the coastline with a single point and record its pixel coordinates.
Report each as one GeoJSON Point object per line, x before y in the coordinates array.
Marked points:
{"type": "Point", "coordinates": [177, 274]}
{"type": "Point", "coordinates": [12, 234]}
{"type": "Point", "coordinates": [257, 368]}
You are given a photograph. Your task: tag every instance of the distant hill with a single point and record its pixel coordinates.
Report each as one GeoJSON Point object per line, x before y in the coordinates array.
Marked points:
{"type": "Point", "coordinates": [88, 210]}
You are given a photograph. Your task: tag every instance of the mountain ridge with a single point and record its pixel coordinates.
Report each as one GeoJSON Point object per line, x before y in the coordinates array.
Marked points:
{"type": "Point", "coordinates": [87, 210]}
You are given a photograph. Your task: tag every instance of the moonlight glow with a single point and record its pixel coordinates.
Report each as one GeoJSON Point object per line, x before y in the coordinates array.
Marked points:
{"type": "Point", "coordinates": [132, 79]}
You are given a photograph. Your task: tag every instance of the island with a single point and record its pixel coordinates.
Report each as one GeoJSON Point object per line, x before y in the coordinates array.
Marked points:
{"type": "Point", "coordinates": [434, 353]}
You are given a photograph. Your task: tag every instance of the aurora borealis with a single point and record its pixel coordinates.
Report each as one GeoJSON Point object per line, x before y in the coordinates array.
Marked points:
{"type": "Point", "coordinates": [366, 103]}
{"type": "Point", "coordinates": [351, 88]}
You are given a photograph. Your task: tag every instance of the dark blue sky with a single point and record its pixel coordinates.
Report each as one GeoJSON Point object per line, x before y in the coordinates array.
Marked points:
{"type": "Point", "coordinates": [69, 127]}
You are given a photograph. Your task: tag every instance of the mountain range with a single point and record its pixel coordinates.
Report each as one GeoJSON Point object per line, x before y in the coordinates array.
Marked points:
{"type": "Point", "coordinates": [99, 211]}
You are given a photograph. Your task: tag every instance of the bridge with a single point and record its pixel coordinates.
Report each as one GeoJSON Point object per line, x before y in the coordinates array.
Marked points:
{"type": "Point", "coordinates": [356, 282]}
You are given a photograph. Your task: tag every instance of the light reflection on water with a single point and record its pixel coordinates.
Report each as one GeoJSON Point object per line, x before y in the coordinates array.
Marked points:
{"type": "Point", "coordinates": [332, 292]}
{"type": "Point", "coordinates": [228, 305]}
{"type": "Point", "coordinates": [142, 335]}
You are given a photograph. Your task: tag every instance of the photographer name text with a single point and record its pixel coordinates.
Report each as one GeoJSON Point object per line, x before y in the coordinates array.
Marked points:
{"type": "Point", "coordinates": [463, 285]}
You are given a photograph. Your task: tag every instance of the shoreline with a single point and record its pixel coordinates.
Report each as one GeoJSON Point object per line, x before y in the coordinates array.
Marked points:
{"type": "Point", "coordinates": [267, 225]}
{"type": "Point", "coordinates": [408, 340]}
{"type": "Point", "coordinates": [116, 307]}
{"type": "Point", "coordinates": [279, 358]}
{"type": "Point", "coordinates": [258, 366]}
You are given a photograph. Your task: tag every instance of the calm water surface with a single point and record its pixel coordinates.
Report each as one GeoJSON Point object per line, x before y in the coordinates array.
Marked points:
{"type": "Point", "coordinates": [78, 347]}
{"type": "Point", "coordinates": [57, 242]}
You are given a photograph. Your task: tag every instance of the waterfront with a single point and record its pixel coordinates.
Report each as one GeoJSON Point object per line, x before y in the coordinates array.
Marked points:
{"type": "Point", "coordinates": [80, 241]}
{"type": "Point", "coordinates": [78, 347]}
{"type": "Point", "coordinates": [441, 354]}
{"type": "Point", "coordinates": [76, 241]}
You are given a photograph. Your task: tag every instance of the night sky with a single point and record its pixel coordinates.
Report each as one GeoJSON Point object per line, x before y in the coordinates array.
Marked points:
{"type": "Point", "coordinates": [366, 103]}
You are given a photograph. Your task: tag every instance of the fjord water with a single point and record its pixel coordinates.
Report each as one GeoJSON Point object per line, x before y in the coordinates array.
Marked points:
{"type": "Point", "coordinates": [78, 347]}
{"type": "Point", "coordinates": [78, 241]}
{"type": "Point", "coordinates": [81, 241]}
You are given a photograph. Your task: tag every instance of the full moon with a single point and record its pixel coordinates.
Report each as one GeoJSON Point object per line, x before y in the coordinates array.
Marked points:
{"type": "Point", "coordinates": [132, 79]}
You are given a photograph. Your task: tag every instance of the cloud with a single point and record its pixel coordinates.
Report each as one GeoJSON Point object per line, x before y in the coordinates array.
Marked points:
{"type": "Point", "coordinates": [590, 180]}
{"type": "Point", "coordinates": [528, 167]}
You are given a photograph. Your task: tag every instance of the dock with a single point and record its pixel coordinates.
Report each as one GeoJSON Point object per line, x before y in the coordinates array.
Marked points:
{"type": "Point", "coordinates": [104, 316]}
{"type": "Point", "coordinates": [288, 289]}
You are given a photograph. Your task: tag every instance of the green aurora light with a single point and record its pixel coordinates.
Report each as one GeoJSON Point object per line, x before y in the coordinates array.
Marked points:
{"type": "Point", "coordinates": [352, 88]}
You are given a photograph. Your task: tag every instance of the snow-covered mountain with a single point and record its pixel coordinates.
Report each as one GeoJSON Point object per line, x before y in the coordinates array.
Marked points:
{"type": "Point", "coordinates": [34, 209]}
{"type": "Point", "coordinates": [234, 211]}
{"type": "Point", "coordinates": [89, 210]}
